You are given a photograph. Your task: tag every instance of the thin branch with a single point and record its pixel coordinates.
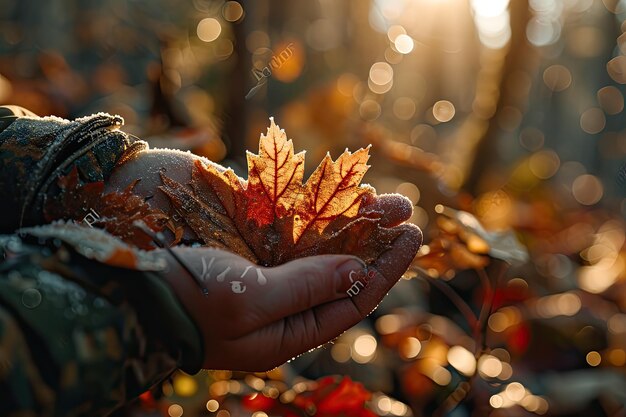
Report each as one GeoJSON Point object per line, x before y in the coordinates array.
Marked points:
{"type": "Point", "coordinates": [452, 295]}
{"type": "Point", "coordinates": [464, 389]}
{"type": "Point", "coordinates": [488, 305]}
{"type": "Point", "coordinates": [480, 331]}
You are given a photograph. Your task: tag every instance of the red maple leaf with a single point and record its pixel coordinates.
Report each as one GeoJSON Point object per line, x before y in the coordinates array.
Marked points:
{"type": "Point", "coordinates": [258, 402]}
{"type": "Point", "coordinates": [273, 217]}
{"type": "Point", "coordinates": [336, 396]}
{"type": "Point", "coordinates": [348, 397]}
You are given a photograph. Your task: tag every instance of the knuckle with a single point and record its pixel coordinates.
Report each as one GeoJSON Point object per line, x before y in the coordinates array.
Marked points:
{"type": "Point", "coordinates": [313, 270]}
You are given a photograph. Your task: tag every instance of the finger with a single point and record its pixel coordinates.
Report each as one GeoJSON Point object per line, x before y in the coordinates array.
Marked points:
{"type": "Point", "coordinates": [302, 284]}
{"type": "Point", "coordinates": [396, 208]}
{"type": "Point", "coordinates": [389, 267]}
{"type": "Point", "coordinates": [298, 333]}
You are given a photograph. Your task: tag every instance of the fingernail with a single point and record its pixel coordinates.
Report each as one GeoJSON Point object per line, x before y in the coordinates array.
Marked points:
{"type": "Point", "coordinates": [345, 271]}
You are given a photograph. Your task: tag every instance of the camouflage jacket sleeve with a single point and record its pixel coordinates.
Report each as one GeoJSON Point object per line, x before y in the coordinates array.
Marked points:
{"type": "Point", "coordinates": [85, 328]}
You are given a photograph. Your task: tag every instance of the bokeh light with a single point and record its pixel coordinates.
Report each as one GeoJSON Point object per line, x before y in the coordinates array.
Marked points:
{"type": "Point", "coordinates": [557, 77]}
{"type": "Point", "coordinates": [593, 358]}
{"type": "Point", "coordinates": [381, 73]}
{"type": "Point", "coordinates": [364, 348]}
{"type": "Point", "coordinates": [443, 111]}
{"type": "Point", "coordinates": [212, 405]}
{"type": "Point", "coordinates": [587, 189]}
{"type": "Point", "coordinates": [489, 8]}
{"type": "Point", "coordinates": [611, 100]}
{"type": "Point", "coordinates": [209, 29]}
{"type": "Point", "coordinates": [389, 323]}
{"type": "Point", "coordinates": [184, 385]}
{"type": "Point", "coordinates": [232, 11]}
{"type": "Point", "coordinates": [410, 191]}
{"type": "Point", "coordinates": [175, 410]}
{"type": "Point", "coordinates": [492, 20]}
{"type": "Point", "coordinates": [370, 109]}
{"type": "Point", "coordinates": [504, 318]}
{"type": "Point", "coordinates": [593, 120]}
{"type": "Point", "coordinates": [489, 366]}
{"type": "Point", "coordinates": [394, 31]}
{"type": "Point", "coordinates": [544, 164]}
{"type": "Point", "coordinates": [410, 347]}
{"type": "Point", "coordinates": [462, 359]}
{"type": "Point", "coordinates": [616, 68]}
{"type": "Point", "coordinates": [404, 43]}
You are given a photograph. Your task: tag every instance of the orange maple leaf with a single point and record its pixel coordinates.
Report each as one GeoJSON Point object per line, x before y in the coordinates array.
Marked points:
{"type": "Point", "coordinates": [275, 177]}
{"type": "Point", "coordinates": [332, 190]}
{"type": "Point", "coordinates": [272, 217]}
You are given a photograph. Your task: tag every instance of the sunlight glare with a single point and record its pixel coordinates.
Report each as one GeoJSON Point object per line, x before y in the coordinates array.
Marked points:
{"type": "Point", "coordinates": [489, 8]}
{"type": "Point", "coordinates": [492, 21]}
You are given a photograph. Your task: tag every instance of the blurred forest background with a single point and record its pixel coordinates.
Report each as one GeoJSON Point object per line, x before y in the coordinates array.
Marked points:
{"type": "Point", "coordinates": [503, 121]}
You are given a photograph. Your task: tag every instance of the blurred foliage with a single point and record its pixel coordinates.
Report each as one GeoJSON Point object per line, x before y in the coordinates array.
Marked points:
{"type": "Point", "coordinates": [501, 121]}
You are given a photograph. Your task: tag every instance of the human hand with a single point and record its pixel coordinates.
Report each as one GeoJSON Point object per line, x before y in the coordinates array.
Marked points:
{"type": "Point", "coordinates": [256, 318]}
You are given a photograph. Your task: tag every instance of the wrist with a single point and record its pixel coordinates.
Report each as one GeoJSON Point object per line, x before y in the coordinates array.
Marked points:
{"type": "Point", "coordinates": [186, 291]}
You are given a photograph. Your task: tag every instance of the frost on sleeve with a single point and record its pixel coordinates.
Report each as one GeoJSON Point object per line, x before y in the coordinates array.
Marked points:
{"type": "Point", "coordinates": [72, 341]}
